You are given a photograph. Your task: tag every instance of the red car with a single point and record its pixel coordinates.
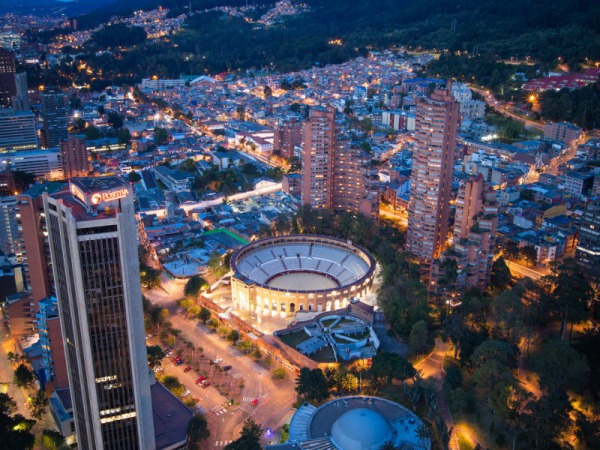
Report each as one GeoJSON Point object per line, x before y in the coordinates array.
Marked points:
{"type": "Point", "coordinates": [255, 402]}
{"type": "Point", "coordinates": [200, 380]}
{"type": "Point", "coordinates": [187, 369]}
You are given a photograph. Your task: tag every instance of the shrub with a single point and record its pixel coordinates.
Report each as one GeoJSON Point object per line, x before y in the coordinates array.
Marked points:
{"type": "Point", "coordinates": [279, 374]}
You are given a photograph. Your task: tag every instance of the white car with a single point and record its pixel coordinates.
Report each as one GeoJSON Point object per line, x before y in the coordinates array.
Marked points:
{"type": "Point", "coordinates": [148, 336]}
{"type": "Point", "coordinates": [218, 361]}
{"type": "Point", "coordinates": [158, 369]}
{"type": "Point", "coordinates": [186, 393]}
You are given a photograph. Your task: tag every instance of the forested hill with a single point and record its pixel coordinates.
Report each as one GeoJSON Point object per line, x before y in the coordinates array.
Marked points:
{"type": "Point", "coordinates": [214, 42]}
{"type": "Point", "coordinates": [543, 30]}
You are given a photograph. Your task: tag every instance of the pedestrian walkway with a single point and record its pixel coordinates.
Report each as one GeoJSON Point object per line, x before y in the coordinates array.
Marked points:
{"type": "Point", "coordinates": [444, 411]}
{"type": "Point", "coordinates": [222, 443]}
{"type": "Point", "coordinates": [218, 410]}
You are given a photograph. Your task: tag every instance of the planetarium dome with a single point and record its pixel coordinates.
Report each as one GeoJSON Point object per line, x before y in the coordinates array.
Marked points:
{"type": "Point", "coordinates": [361, 429]}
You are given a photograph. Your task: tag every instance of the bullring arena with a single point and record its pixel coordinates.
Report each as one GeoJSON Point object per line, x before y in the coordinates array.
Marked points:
{"type": "Point", "coordinates": [280, 276]}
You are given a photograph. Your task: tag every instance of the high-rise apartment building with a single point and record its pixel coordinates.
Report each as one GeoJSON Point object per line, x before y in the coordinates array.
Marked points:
{"type": "Point", "coordinates": [74, 157]}
{"type": "Point", "coordinates": [469, 203]}
{"type": "Point", "coordinates": [587, 253]}
{"type": "Point", "coordinates": [93, 243]}
{"type": "Point", "coordinates": [35, 248]}
{"type": "Point", "coordinates": [20, 101]}
{"type": "Point", "coordinates": [288, 136]}
{"type": "Point", "coordinates": [318, 147]}
{"type": "Point", "coordinates": [433, 158]}
{"type": "Point", "coordinates": [7, 77]}
{"type": "Point", "coordinates": [54, 115]}
{"type": "Point", "coordinates": [475, 231]}
{"type": "Point", "coordinates": [355, 181]}
{"type": "Point", "coordinates": [335, 175]}
{"type": "Point", "coordinates": [17, 131]}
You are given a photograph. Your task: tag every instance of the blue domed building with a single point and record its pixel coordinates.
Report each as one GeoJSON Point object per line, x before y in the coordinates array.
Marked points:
{"type": "Point", "coordinates": [355, 423]}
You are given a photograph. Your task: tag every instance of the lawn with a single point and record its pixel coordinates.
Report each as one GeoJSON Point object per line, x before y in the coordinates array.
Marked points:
{"type": "Point", "coordinates": [325, 354]}
{"type": "Point", "coordinates": [328, 322]}
{"type": "Point", "coordinates": [293, 339]}
{"type": "Point", "coordinates": [359, 336]}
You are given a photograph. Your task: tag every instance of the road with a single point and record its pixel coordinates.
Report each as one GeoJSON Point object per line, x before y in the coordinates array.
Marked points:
{"type": "Point", "coordinates": [431, 368]}
{"type": "Point", "coordinates": [275, 397]}
{"type": "Point", "coordinates": [521, 271]}
{"type": "Point", "coordinates": [401, 219]}
{"type": "Point", "coordinates": [499, 107]}
{"type": "Point", "coordinates": [562, 159]}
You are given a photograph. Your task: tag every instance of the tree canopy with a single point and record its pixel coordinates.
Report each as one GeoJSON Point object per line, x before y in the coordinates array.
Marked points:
{"type": "Point", "coordinates": [312, 384]}
{"type": "Point", "coordinates": [249, 437]}
{"type": "Point", "coordinates": [194, 285]}
{"type": "Point", "coordinates": [118, 35]}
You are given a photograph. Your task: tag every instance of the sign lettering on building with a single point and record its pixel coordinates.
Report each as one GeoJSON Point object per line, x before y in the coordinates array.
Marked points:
{"type": "Point", "coordinates": [109, 196]}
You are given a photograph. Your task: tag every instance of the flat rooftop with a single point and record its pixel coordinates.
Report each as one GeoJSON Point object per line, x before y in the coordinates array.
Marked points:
{"type": "Point", "coordinates": [89, 185]}
{"type": "Point", "coordinates": [171, 417]}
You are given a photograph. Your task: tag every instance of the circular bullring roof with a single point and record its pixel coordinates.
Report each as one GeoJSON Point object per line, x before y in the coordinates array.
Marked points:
{"type": "Point", "coordinates": [361, 429]}
{"type": "Point", "coordinates": [301, 263]}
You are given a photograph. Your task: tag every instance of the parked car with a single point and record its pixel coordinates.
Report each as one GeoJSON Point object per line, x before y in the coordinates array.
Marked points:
{"type": "Point", "coordinates": [187, 369]}
{"type": "Point", "coordinates": [226, 368]}
{"type": "Point", "coordinates": [255, 402]}
{"type": "Point", "coordinates": [200, 380]}
{"type": "Point", "coordinates": [169, 353]}
{"type": "Point", "coordinates": [205, 384]}
{"type": "Point", "coordinates": [218, 361]}
{"type": "Point", "coordinates": [148, 336]}
{"type": "Point", "coordinates": [186, 393]}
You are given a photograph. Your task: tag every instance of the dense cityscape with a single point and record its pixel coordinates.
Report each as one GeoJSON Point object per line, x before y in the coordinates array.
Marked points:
{"type": "Point", "coordinates": [299, 225]}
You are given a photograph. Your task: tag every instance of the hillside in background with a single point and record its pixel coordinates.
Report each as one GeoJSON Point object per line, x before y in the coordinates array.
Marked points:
{"type": "Point", "coordinates": [476, 33]}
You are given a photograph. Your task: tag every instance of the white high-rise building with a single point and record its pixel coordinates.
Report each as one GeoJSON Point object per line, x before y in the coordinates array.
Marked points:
{"type": "Point", "coordinates": [93, 245]}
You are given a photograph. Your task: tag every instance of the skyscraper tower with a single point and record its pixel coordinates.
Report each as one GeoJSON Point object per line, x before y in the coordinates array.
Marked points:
{"type": "Point", "coordinates": [7, 77]}
{"type": "Point", "coordinates": [31, 220]}
{"type": "Point", "coordinates": [93, 244]}
{"type": "Point", "coordinates": [54, 115]}
{"type": "Point", "coordinates": [431, 178]}
{"type": "Point", "coordinates": [336, 175]}
{"type": "Point", "coordinates": [20, 100]}
{"type": "Point", "coordinates": [318, 147]}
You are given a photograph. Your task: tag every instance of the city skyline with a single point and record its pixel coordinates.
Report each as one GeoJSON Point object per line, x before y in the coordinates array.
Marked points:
{"type": "Point", "coordinates": [224, 225]}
